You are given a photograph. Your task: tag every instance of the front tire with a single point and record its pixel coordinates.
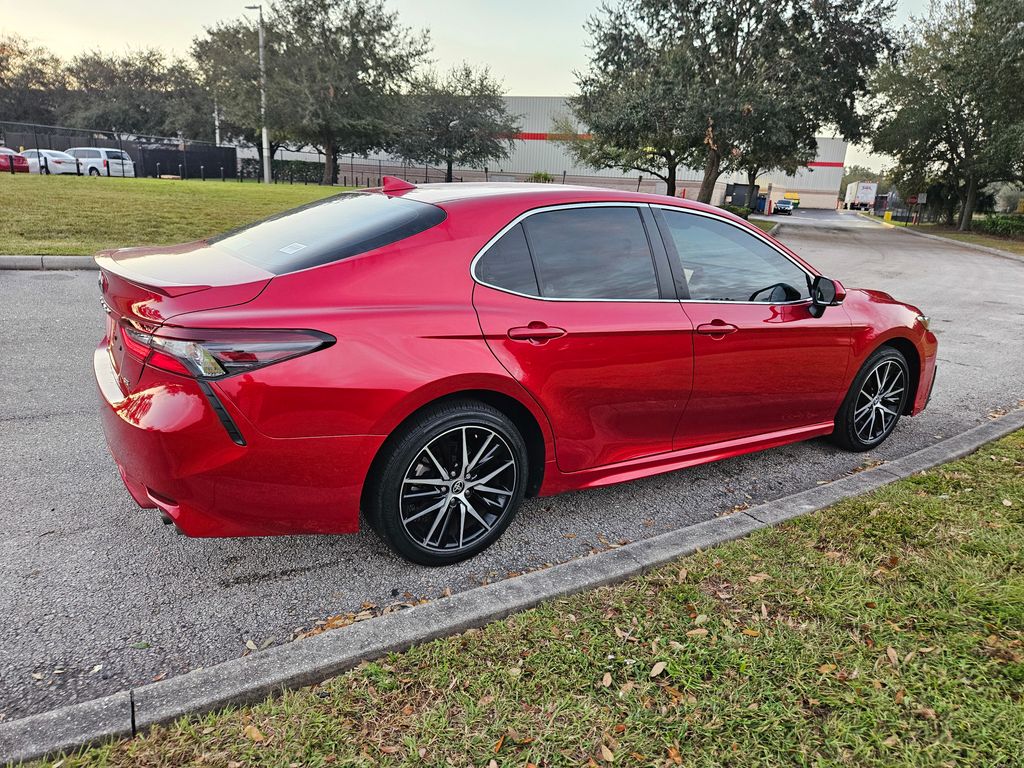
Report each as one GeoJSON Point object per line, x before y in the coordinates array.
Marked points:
{"type": "Point", "coordinates": [449, 483]}
{"type": "Point", "coordinates": [875, 402]}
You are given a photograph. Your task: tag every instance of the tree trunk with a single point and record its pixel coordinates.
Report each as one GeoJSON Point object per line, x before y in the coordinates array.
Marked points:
{"type": "Point", "coordinates": [448, 172]}
{"type": "Point", "coordinates": [967, 214]}
{"type": "Point", "coordinates": [751, 185]}
{"type": "Point", "coordinates": [670, 178]}
{"type": "Point", "coordinates": [330, 164]}
{"type": "Point", "coordinates": [711, 174]}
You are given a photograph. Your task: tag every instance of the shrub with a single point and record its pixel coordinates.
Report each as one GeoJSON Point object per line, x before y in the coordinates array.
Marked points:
{"type": "Point", "coordinates": [1001, 226]}
{"type": "Point", "coordinates": [741, 211]}
{"type": "Point", "coordinates": [540, 177]}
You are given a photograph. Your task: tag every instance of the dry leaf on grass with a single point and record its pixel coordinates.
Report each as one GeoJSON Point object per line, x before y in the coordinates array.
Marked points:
{"type": "Point", "coordinates": [699, 632]}
{"type": "Point", "coordinates": [658, 668]}
{"type": "Point", "coordinates": [606, 680]}
{"type": "Point", "coordinates": [606, 754]}
{"type": "Point", "coordinates": [254, 733]}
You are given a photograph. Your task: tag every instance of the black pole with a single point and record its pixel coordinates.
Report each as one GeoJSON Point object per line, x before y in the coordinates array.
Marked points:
{"type": "Point", "coordinates": [157, 171]}
{"type": "Point", "coordinates": [202, 172]}
{"type": "Point", "coordinates": [222, 173]}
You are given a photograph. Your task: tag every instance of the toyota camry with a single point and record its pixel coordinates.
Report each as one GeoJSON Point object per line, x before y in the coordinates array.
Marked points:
{"type": "Point", "coordinates": [430, 355]}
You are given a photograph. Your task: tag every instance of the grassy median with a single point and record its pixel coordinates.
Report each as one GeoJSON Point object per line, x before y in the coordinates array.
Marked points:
{"type": "Point", "coordinates": [82, 214]}
{"type": "Point", "coordinates": [885, 631]}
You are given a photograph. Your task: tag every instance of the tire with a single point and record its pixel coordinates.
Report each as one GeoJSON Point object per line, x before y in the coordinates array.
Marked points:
{"type": "Point", "coordinates": [444, 520]}
{"type": "Point", "coordinates": [94, 171]}
{"type": "Point", "coordinates": [864, 420]}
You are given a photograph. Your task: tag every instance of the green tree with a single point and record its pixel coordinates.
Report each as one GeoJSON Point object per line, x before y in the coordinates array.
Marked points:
{"type": "Point", "coordinates": [456, 118]}
{"type": "Point", "coordinates": [227, 58]}
{"type": "Point", "coordinates": [31, 81]}
{"type": "Point", "coordinates": [717, 84]}
{"type": "Point", "coordinates": [348, 61]}
{"type": "Point", "coordinates": [949, 108]}
{"type": "Point", "coordinates": [137, 92]}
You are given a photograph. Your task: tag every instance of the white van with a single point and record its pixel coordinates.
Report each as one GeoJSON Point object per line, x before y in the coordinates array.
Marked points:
{"type": "Point", "coordinates": [100, 161]}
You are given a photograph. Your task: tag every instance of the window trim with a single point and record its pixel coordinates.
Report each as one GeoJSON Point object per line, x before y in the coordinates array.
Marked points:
{"type": "Point", "coordinates": [569, 206]}
{"type": "Point", "coordinates": [677, 264]}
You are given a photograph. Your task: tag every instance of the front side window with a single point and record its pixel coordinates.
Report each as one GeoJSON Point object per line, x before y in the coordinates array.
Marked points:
{"type": "Point", "coordinates": [722, 262]}
{"type": "Point", "coordinates": [592, 253]}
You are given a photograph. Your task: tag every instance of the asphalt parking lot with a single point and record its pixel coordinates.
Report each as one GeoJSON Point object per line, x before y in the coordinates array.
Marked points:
{"type": "Point", "coordinates": [99, 596]}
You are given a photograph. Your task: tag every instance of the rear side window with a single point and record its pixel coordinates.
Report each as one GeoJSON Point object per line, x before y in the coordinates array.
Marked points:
{"type": "Point", "coordinates": [116, 155]}
{"type": "Point", "coordinates": [592, 253]}
{"type": "Point", "coordinates": [507, 264]}
{"type": "Point", "coordinates": [328, 230]}
{"type": "Point", "coordinates": [722, 262]}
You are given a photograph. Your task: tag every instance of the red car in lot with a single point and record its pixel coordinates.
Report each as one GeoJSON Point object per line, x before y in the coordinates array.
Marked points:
{"type": "Point", "coordinates": [429, 355]}
{"type": "Point", "coordinates": [8, 158]}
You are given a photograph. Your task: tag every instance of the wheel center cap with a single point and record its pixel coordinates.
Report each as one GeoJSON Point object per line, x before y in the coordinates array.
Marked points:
{"type": "Point", "coordinates": [458, 487]}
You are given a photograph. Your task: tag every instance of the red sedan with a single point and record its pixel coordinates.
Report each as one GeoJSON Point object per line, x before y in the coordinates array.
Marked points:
{"type": "Point", "coordinates": [431, 355]}
{"type": "Point", "coordinates": [9, 157]}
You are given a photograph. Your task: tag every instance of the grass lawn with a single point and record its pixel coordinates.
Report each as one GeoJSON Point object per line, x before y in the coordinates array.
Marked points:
{"type": "Point", "coordinates": [989, 241]}
{"type": "Point", "coordinates": [975, 238]}
{"type": "Point", "coordinates": [81, 215]}
{"type": "Point", "coordinates": [764, 226]}
{"type": "Point", "coordinates": [885, 631]}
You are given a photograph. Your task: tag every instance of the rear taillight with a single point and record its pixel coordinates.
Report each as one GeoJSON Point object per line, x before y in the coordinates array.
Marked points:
{"type": "Point", "coordinates": [211, 354]}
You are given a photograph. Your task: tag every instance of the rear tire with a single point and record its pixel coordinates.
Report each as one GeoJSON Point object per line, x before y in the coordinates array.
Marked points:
{"type": "Point", "coordinates": [94, 172]}
{"type": "Point", "coordinates": [873, 406]}
{"type": "Point", "coordinates": [449, 483]}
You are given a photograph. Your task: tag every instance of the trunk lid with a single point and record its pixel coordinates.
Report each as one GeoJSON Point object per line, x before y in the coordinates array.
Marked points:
{"type": "Point", "coordinates": [149, 286]}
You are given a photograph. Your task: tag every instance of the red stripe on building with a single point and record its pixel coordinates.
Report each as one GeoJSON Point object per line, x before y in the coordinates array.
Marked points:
{"type": "Point", "coordinates": [822, 164]}
{"type": "Point", "coordinates": [549, 136]}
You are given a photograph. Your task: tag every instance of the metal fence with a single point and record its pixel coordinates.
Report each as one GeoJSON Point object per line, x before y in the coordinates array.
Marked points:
{"type": "Point", "coordinates": [152, 155]}
{"type": "Point", "coordinates": [165, 156]}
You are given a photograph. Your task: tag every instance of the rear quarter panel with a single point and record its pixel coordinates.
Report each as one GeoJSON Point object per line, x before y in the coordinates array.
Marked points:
{"type": "Point", "coordinates": [406, 335]}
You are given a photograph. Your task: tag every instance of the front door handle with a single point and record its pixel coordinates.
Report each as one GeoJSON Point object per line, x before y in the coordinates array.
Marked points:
{"type": "Point", "coordinates": [716, 328]}
{"type": "Point", "coordinates": [536, 332]}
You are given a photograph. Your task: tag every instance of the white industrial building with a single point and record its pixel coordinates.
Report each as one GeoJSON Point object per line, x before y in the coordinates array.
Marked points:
{"type": "Point", "coordinates": [817, 184]}
{"type": "Point", "coordinates": [535, 151]}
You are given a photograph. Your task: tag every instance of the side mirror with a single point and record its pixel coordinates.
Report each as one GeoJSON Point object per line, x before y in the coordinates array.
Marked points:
{"type": "Point", "coordinates": [824, 293]}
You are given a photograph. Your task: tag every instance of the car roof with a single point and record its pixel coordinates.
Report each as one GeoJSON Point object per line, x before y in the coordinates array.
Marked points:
{"type": "Point", "coordinates": [527, 195]}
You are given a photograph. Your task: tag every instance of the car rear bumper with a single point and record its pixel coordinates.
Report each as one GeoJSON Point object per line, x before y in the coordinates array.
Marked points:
{"type": "Point", "coordinates": [174, 453]}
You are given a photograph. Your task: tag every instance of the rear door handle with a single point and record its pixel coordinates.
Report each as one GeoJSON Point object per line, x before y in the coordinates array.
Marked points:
{"type": "Point", "coordinates": [716, 328]}
{"type": "Point", "coordinates": [536, 332]}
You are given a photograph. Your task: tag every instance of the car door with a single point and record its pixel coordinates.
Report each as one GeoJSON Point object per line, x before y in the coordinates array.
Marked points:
{"type": "Point", "coordinates": [762, 362]}
{"type": "Point", "coordinates": [577, 303]}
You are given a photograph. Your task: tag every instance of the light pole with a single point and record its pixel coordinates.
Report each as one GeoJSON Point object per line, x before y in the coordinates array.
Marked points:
{"type": "Point", "coordinates": [263, 100]}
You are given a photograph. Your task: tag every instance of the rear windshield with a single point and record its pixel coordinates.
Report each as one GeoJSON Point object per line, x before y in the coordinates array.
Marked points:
{"type": "Point", "coordinates": [328, 230]}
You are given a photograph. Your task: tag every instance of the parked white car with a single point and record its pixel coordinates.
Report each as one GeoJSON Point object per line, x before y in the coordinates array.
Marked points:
{"type": "Point", "coordinates": [100, 161]}
{"type": "Point", "coordinates": [50, 160]}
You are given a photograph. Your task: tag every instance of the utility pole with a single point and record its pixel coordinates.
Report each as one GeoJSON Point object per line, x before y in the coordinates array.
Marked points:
{"type": "Point", "coordinates": [263, 100]}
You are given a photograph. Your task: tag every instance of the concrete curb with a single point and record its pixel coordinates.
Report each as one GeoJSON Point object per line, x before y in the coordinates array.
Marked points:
{"type": "Point", "coordinates": [252, 678]}
{"type": "Point", "coordinates": [47, 262]}
{"type": "Point", "coordinates": [952, 241]}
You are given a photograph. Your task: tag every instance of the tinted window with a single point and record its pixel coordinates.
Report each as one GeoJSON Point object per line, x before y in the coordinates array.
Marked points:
{"type": "Point", "coordinates": [507, 264]}
{"type": "Point", "coordinates": [116, 155]}
{"type": "Point", "coordinates": [328, 230]}
{"type": "Point", "coordinates": [592, 253]}
{"type": "Point", "coordinates": [724, 263]}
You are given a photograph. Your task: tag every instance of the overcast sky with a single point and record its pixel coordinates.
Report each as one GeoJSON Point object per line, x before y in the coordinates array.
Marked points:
{"type": "Point", "coordinates": [533, 46]}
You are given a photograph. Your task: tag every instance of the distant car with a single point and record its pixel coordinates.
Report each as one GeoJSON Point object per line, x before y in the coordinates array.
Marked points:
{"type": "Point", "coordinates": [49, 161]}
{"type": "Point", "coordinates": [100, 161]}
{"type": "Point", "coordinates": [9, 157]}
{"type": "Point", "coordinates": [784, 207]}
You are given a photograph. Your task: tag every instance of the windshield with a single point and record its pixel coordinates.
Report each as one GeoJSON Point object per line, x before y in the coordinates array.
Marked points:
{"type": "Point", "coordinates": [327, 230]}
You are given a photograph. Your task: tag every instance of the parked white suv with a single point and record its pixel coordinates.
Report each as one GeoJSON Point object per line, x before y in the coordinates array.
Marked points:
{"type": "Point", "coordinates": [100, 161]}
